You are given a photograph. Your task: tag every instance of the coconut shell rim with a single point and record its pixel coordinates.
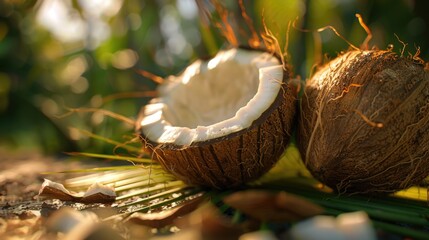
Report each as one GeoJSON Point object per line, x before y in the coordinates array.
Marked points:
{"type": "Point", "coordinates": [257, 122]}
{"type": "Point", "coordinates": [286, 86]}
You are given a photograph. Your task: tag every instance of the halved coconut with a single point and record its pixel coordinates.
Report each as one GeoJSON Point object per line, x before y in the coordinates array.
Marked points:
{"type": "Point", "coordinates": [222, 122]}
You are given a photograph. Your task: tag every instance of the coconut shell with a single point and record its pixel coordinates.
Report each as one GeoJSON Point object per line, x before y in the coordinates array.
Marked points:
{"type": "Point", "coordinates": [232, 160]}
{"type": "Point", "coordinates": [364, 122]}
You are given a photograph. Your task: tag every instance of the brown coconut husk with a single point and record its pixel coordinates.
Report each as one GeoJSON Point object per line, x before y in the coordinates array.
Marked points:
{"type": "Point", "coordinates": [364, 122]}
{"type": "Point", "coordinates": [235, 159]}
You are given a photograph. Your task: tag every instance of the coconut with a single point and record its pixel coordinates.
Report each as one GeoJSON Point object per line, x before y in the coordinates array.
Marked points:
{"type": "Point", "coordinates": [222, 122]}
{"type": "Point", "coordinates": [364, 122]}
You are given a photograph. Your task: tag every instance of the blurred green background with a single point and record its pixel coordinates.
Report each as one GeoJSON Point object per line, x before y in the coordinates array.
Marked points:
{"type": "Point", "coordinates": [59, 54]}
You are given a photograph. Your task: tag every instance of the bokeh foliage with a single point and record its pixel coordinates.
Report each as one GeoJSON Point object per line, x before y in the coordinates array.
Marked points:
{"type": "Point", "coordinates": [85, 55]}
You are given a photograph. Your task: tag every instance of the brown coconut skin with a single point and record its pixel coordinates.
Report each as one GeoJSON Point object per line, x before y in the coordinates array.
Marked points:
{"type": "Point", "coordinates": [233, 160]}
{"type": "Point", "coordinates": [364, 122]}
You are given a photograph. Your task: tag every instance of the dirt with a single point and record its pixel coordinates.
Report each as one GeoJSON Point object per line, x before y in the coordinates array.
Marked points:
{"type": "Point", "coordinates": [22, 213]}
{"type": "Point", "coordinates": [25, 215]}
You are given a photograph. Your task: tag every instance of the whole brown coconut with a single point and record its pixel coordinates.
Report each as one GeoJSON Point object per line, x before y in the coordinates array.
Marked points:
{"type": "Point", "coordinates": [222, 122]}
{"type": "Point", "coordinates": [364, 122]}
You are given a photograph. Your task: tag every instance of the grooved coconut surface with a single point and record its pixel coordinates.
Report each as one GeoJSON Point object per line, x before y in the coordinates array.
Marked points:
{"type": "Point", "coordinates": [237, 157]}
{"type": "Point", "coordinates": [364, 122]}
{"type": "Point", "coordinates": [233, 160]}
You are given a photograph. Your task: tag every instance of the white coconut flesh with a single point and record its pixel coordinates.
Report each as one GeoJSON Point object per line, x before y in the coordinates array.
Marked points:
{"type": "Point", "coordinates": [214, 98]}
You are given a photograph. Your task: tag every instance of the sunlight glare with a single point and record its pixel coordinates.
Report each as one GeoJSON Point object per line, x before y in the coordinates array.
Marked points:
{"type": "Point", "coordinates": [67, 24]}
{"type": "Point", "coordinates": [64, 22]}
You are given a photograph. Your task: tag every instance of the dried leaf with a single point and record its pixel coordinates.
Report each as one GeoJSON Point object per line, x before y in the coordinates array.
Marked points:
{"type": "Point", "coordinates": [211, 224]}
{"type": "Point", "coordinates": [269, 206]}
{"type": "Point", "coordinates": [164, 218]}
{"type": "Point", "coordinates": [96, 193]}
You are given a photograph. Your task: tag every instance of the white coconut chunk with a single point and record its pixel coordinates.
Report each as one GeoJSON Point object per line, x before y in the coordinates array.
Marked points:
{"type": "Point", "coordinates": [55, 185]}
{"type": "Point", "coordinates": [347, 226]}
{"type": "Point", "coordinates": [214, 98]}
{"type": "Point", "coordinates": [319, 227]}
{"type": "Point", "coordinates": [97, 187]}
{"type": "Point", "coordinates": [356, 225]}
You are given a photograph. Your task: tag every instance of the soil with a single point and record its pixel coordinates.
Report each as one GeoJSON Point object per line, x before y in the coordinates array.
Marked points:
{"type": "Point", "coordinates": [25, 215]}
{"type": "Point", "coordinates": [22, 213]}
